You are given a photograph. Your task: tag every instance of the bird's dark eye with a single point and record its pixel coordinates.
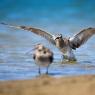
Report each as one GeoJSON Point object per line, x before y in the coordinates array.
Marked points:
{"type": "Point", "coordinates": [39, 50]}
{"type": "Point", "coordinates": [44, 52]}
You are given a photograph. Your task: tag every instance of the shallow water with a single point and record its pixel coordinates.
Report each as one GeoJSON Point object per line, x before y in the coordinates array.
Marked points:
{"type": "Point", "coordinates": [57, 17]}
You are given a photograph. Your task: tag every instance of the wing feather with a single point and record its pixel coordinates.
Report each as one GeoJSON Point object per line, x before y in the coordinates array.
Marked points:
{"type": "Point", "coordinates": [80, 38]}
{"type": "Point", "coordinates": [39, 32]}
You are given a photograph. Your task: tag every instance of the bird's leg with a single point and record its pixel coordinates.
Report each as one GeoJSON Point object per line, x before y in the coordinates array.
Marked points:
{"type": "Point", "coordinates": [39, 71]}
{"type": "Point", "coordinates": [63, 58]}
{"type": "Point", "coordinates": [71, 56]}
{"type": "Point", "coordinates": [47, 70]}
{"type": "Point", "coordinates": [68, 56]}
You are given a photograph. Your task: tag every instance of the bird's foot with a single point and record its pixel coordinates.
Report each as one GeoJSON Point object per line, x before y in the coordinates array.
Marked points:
{"type": "Point", "coordinates": [47, 73]}
{"type": "Point", "coordinates": [68, 60]}
{"type": "Point", "coordinates": [73, 61]}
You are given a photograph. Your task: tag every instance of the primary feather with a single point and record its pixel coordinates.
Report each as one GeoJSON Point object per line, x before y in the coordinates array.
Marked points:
{"type": "Point", "coordinates": [80, 38]}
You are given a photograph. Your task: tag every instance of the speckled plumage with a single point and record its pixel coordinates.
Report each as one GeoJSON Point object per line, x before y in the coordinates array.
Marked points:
{"type": "Point", "coordinates": [42, 56]}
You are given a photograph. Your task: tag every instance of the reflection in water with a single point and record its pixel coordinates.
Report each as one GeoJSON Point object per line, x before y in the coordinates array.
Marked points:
{"type": "Point", "coordinates": [66, 17]}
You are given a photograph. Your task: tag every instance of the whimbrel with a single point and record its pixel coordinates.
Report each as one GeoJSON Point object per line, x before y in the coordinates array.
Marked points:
{"type": "Point", "coordinates": [42, 56]}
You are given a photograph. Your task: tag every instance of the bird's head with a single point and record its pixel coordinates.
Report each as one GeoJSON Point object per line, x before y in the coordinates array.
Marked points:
{"type": "Point", "coordinates": [58, 40]}
{"type": "Point", "coordinates": [57, 37]}
{"type": "Point", "coordinates": [39, 47]}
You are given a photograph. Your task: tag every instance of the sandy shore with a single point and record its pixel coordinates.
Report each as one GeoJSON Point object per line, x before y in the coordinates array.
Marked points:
{"type": "Point", "coordinates": [45, 85]}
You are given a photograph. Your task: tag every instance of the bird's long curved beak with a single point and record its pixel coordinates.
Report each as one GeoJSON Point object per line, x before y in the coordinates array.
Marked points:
{"type": "Point", "coordinates": [30, 51]}
{"type": "Point", "coordinates": [34, 48]}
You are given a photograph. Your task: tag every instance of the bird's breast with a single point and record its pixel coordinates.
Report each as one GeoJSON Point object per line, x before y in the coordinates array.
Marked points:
{"type": "Point", "coordinates": [44, 61]}
{"type": "Point", "coordinates": [59, 43]}
{"type": "Point", "coordinates": [63, 50]}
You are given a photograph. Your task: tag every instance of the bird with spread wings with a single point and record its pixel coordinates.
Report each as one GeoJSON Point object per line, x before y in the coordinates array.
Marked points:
{"type": "Point", "coordinates": [65, 45]}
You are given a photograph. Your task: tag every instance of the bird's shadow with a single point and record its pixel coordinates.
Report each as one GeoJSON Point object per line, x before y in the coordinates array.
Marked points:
{"type": "Point", "coordinates": [49, 74]}
{"type": "Point", "coordinates": [55, 73]}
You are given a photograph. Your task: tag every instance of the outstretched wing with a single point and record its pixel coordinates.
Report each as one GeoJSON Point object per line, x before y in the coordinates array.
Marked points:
{"type": "Point", "coordinates": [39, 32]}
{"type": "Point", "coordinates": [80, 38]}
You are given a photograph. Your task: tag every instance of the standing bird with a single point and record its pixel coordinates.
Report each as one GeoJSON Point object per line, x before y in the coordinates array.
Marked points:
{"type": "Point", "coordinates": [42, 56]}
{"type": "Point", "coordinates": [65, 45]}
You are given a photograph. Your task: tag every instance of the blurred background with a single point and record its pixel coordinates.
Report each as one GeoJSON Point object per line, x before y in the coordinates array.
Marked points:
{"type": "Point", "coordinates": [78, 13]}
{"type": "Point", "coordinates": [55, 16]}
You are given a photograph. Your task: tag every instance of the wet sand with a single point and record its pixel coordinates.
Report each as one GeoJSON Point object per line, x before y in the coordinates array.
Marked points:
{"type": "Point", "coordinates": [45, 85]}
